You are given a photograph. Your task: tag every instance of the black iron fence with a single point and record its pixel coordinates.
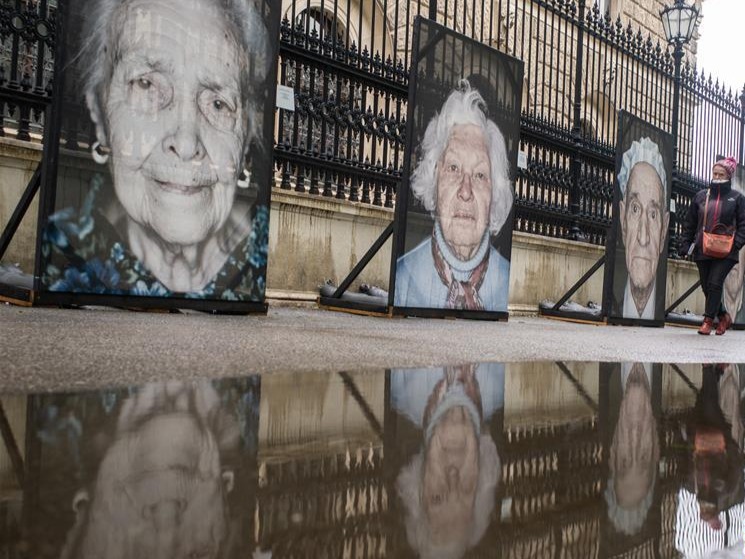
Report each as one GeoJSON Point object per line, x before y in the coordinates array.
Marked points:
{"type": "Point", "coordinates": [347, 62]}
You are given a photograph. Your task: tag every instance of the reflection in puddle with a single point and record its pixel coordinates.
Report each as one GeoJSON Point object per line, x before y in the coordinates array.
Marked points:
{"type": "Point", "coordinates": [480, 460]}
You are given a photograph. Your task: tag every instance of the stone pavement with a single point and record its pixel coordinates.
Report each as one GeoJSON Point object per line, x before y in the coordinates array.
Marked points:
{"type": "Point", "coordinates": [46, 349]}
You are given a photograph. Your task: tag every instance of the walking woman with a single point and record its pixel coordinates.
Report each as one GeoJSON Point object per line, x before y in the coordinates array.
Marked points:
{"type": "Point", "coordinates": [713, 235]}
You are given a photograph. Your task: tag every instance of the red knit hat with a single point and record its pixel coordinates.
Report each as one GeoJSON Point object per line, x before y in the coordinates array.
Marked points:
{"type": "Point", "coordinates": [729, 164]}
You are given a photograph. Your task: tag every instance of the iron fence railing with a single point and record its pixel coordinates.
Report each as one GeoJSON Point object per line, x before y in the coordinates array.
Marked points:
{"type": "Point", "coordinates": [348, 64]}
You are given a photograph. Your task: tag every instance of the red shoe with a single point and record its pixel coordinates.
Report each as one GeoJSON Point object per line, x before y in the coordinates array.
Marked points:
{"type": "Point", "coordinates": [725, 321]}
{"type": "Point", "coordinates": [706, 326]}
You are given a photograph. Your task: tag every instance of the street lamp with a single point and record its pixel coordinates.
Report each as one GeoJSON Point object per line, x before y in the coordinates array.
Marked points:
{"type": "Point", "coordinates": [679, 22]}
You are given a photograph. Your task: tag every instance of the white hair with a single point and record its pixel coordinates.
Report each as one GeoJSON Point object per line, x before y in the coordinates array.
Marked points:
{"type": "Point", "coordinates": [418, 533]}
{"type": "Point", "coordinates": [642, 151]}
{"type": "Point", "coordinates": [99, 53]}
{"type": "Point", "coordinates": [628, 520]}
{"type": "Point", "coordinates": [464, 106]}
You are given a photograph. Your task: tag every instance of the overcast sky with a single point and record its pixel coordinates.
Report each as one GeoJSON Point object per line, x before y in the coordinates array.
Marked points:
{"type": "Point", "coordinates": [721, 33]}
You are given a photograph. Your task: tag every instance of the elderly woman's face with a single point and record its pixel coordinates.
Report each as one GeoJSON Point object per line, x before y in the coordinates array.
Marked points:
{"type": "Point", "coordinates": [451, 471]}
{"type": "Point", "coordinates": [158, 494]}
{"type": "Point", "coordinates": [176, 119]}
{"type": "Point", "coordinates": [464, 189]}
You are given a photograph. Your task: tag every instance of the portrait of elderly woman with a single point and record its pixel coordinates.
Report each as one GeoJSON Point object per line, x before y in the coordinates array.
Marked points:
{"type": "Point", "coordinates": [643, 219]}
{"type": "Point", "coordinates": [448, 488]}
{"type": "Point", "coordinates": [462, 178]}
{"type": "Point", "coordinates": [634, 453]}
{"type": "Point", "coordinates": [176, 94]}
{"type": "Point", "coordinates": [161, 470]}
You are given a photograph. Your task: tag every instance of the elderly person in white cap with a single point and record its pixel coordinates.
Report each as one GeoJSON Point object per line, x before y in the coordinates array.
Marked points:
{"type": "Point", "coordinates": [644, 219]}
{"type": "Point", "coordinates": [634, 453]}
{"type": "Point", "coordinates": [463, 180]}
{"type": "Point", "coordinates": [448, 488]}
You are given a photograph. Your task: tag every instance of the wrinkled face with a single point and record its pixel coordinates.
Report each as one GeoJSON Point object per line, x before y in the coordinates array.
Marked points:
{"type": "Point", "coordinates": [635, 448]}
{"type": "Point", "coordinates": [176, 118]}
{"type": "Point", "coordinates": [158, 494]}
{"type": "Point", "coordinates": [464, 189]}
{"type": "Point", "coordinates": [644, 221]}
{"type": "Point", "coordinates": [451, 471]}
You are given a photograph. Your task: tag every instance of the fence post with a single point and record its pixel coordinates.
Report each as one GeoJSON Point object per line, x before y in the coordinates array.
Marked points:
{"type": "Point", "coordinates": [742, 127]}
{"type": "Point", "coordinates": [575, 232]}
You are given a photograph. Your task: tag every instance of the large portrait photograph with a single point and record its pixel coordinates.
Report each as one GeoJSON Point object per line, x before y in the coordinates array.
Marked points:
{"type": "Point", "coordinates": [630, 418]}
{"type": "Point", "coordinates": [160, 189]}
{"type": "Point", "coordinates": [733, 283]}
{"type": "Point", "coordinates": [165, 469]}
{"type": "Point", "coordinates": [444, 432]}
{"type": "Point", "coordinates": [454, 213]}
{"type": "Point", "coordinates": [636, 250]}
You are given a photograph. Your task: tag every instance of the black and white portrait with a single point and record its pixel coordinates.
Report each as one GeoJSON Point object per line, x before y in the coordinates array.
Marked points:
{"type": "Point", "coordinates": [454, 253]}
{"type": "Point", "coordinates": [166, 193]}
{"type": "Point", "coordinates": [638, 243]}
{"type": "Point", "coordinates": [166, 469]}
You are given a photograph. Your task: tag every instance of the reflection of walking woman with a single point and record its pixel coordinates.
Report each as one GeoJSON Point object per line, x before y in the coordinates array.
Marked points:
{"type": "Point", "coordinates": [719, 205]}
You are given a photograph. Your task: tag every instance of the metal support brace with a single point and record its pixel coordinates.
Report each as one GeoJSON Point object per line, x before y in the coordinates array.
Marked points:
{"type": "Point", "coordinates": [372, 251]}
{"type": "Point", "coordinates": [580, 283]}
{"type": "Point", "coordinates": [12, 447]}
{"type": "Point", "coordinates": [683, 297]}
{"type": "Point", "coordinates": [21, 208]}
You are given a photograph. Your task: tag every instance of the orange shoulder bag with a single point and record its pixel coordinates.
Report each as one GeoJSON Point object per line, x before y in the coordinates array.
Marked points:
{"type": "Point", "coordinates": [716, 245]}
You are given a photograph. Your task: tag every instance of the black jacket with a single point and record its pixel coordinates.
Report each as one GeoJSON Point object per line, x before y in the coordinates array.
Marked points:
{"type": "Point", "coordinates": [730, 213]}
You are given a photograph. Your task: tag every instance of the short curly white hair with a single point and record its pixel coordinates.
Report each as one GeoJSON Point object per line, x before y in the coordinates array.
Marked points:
{"type": "Point", "coordinates": [642, 151]}
{"type": "Point", "coordinates": [418, 531]}
{"type": "Point", "coordinates": [464, 106]}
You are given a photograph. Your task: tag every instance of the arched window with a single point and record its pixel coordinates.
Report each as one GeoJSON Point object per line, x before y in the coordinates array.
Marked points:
{"type": "Point", "coordinates": [322, 22]}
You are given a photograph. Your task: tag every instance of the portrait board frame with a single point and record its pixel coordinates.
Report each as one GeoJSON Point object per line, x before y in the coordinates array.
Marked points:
{"type": "Point", "coordinates": [498, 77]}
{"type": "Point", "coordinates": [71, 436]}
{"type": "Point", "coordinates": [612, 387]}
{"type": "Point", "coordinates": [633, 131]}
{"type": "Point", "coordinates": [238, 285]}
{"type": "Point", "coordinates": [738, 317]}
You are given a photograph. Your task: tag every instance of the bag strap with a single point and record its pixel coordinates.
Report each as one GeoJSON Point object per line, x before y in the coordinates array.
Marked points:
{"type": "Point", "coordinates": [706, 207]}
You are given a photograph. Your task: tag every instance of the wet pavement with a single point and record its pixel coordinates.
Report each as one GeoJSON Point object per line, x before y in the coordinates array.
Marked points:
{"type": "Point", "coordinates": [54, 349]}
{"type": "Point", "coordinates": [480, 459]}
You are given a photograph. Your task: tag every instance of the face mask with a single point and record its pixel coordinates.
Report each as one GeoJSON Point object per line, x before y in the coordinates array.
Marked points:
{"type": "Point", "coordinates": [719, 182]}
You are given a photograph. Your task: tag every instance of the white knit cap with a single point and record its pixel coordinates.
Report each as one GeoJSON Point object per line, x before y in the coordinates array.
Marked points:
{"type": "Point", "coordinates": [642, 151]}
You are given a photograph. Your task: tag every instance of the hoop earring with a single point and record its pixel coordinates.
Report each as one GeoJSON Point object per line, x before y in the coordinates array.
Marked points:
{"type": "Point", "coordinates": [99, 155]}
{"type": "Point", "coordinates": [244, 179]}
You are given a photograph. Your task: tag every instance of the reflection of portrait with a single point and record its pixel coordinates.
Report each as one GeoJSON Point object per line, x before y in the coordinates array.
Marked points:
{"type": "Point", "coordinates": [634, 453]}
{"type": "Point", "coordinates": [448, 488]}
{"type": "Point", "coordinates": [643, 216]}
{"type": "Point", "coordinates": [175, 93]}
{"type": "Point", "coordinates": [160, 489]}
{"type": "Point", "coordinates": [462, 179]}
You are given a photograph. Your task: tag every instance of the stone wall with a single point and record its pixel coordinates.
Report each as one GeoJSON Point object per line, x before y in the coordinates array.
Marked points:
{"type": "Point", "coordinates": [312, 239]}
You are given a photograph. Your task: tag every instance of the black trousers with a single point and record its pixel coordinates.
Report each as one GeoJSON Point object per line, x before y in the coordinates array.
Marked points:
{"type": "Point", "coordinates": [712, 274]}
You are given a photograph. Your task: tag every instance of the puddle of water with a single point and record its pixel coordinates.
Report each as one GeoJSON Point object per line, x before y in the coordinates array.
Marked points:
{"type": "Point", "coordinates": [480, 460]}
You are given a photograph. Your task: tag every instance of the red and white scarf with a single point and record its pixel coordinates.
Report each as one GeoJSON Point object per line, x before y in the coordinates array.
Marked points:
{"type": "Point", "coordinates": [461, 294]}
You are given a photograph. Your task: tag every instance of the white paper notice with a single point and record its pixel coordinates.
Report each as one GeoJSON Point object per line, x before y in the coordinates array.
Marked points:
{"type": "Point", "coordinates": [522, 160]}
{"type": "Point", "coordinates": [285, 98]}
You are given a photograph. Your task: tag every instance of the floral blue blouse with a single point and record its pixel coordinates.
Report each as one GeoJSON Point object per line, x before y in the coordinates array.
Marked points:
{"type": "Point", "coordinates": [83, 253]}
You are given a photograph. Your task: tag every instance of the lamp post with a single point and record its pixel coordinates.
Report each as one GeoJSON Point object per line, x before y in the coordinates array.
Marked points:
{"type": "Point", "coordinates": [679, 22]}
